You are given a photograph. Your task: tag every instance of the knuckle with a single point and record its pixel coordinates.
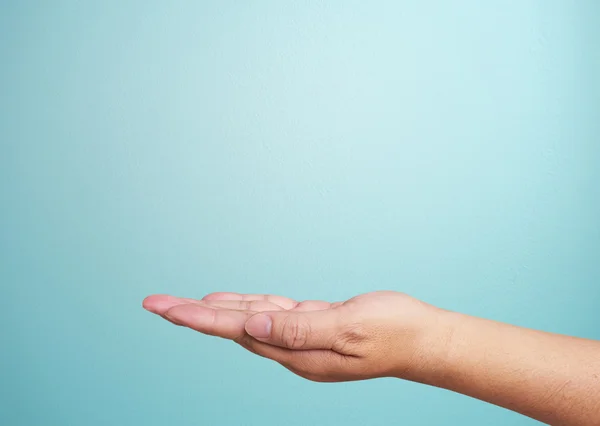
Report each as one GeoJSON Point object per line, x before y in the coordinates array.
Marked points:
{"type": "Point", "coordinates": [350, 337]}
{"type": "Point", "coordinates": [295, 332]}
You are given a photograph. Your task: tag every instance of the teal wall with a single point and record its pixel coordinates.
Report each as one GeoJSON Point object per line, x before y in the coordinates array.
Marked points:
{"type": "Point", "coordinates": [450, 150]}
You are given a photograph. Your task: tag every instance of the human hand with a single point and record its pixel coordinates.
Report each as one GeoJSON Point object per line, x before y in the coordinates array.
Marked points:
{"type": "Point", "coordinates": [373, 335]}
{"type": "Point", "coordinates": [391, 334]}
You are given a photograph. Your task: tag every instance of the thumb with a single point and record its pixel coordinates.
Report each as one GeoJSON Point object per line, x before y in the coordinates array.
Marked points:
{"type": "Point", "coordinates": [295, 330]}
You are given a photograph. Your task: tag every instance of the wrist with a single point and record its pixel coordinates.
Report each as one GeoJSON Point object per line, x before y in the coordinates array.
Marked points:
{"type": "Point", "coordinates": [434, 344]}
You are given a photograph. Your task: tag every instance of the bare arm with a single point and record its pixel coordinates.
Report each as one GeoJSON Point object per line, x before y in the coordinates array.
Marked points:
{"type": "Point", "coordinates": [549, 377]}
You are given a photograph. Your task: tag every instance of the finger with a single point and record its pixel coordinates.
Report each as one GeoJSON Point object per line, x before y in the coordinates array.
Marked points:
{"type": "Point", "coordinates": [243, 305]}
{"type": "Point", "coordinates": [296, 330]}
{"type": "Point", "coordinates": [312, 305]}
{"type": "Point", "coordinates": [161, 303]}
{"type": "Point", "coordinates": [284, 302]}
{"type": "Point", "coordinates": [225, 323]}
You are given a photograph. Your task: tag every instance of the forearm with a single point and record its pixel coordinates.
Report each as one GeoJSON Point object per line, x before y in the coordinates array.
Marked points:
{"type": "Point", "coordinates": [549, 377]}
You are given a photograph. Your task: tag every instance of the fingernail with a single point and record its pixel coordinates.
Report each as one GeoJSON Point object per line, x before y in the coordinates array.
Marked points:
{"type": "Point", "coordinates": [259, 326]}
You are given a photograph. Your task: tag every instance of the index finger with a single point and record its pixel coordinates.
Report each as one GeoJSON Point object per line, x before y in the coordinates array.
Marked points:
{"type": "Point", "coordinates": [225, 323]}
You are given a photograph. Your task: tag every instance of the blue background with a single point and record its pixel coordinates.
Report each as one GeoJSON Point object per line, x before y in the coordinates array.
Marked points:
{"type": "Point", "coordinates": [317, 150]}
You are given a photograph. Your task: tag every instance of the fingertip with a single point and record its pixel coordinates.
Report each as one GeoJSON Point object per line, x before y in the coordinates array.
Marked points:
{"type": "Point", "coordinates": [222, 295]}
{"type": "Point", "coordinates": [191, 315]}
{"type": "Point", "coordinates": [160, 303]}
{"type": "Point", "coordinates": [176, 314]}
{"type": "Point", "coordinates": [150, 302]}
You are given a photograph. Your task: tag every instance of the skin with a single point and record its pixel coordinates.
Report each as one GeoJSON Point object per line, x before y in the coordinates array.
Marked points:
{"type": "Point", "coordinates": [552, 378]}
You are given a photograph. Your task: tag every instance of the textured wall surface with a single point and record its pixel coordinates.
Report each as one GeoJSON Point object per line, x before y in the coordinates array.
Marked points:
{"type": "Point", "coordinates": [450, 150]}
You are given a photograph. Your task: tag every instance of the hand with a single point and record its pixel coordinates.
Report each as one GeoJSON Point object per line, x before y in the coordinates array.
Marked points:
{"type": "Point", "coordinates": [372, 335]}
{"type": "Point", "coordinates": [549, 377]}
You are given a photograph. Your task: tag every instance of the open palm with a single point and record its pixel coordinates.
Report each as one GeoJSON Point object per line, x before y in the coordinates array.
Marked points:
{"type": "Point", "coordinates": [371, 335]}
